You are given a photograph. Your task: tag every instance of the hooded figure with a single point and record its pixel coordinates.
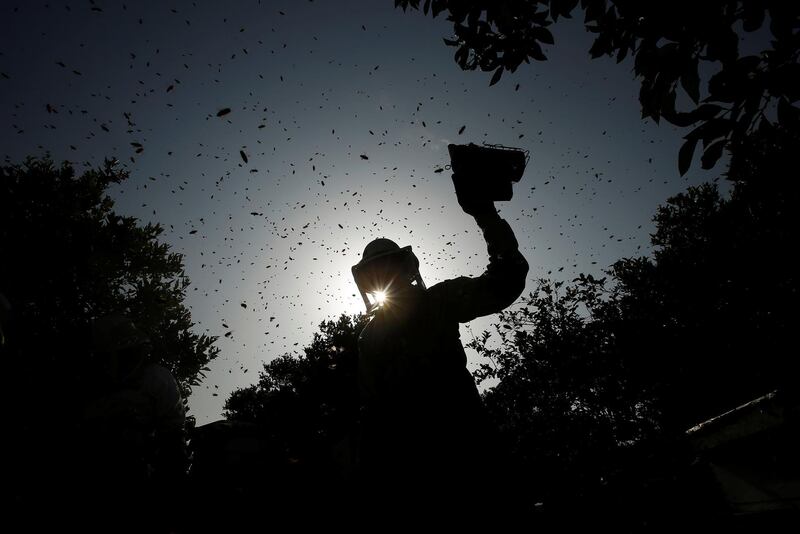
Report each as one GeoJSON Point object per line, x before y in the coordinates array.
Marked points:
{"type": "Point", "coordinates": [424, 435]}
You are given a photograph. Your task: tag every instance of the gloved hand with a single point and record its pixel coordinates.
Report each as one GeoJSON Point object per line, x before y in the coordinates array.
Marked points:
{"type": "Point", "coordinates": [470, 198]}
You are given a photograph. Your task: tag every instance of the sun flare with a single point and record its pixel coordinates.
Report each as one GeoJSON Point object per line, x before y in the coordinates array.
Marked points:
{"type": "Point", "coordinates": [380, 297]}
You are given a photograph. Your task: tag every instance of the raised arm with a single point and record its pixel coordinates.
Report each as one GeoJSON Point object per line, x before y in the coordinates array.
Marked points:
{"type": "Point", "coordinates": [465, 298]}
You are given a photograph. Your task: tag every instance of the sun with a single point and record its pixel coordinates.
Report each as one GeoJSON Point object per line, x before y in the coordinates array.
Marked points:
{"type": "Point", "coordinates": [380, 297]}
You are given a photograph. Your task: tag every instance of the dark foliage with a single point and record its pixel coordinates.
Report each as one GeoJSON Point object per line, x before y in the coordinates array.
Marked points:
{"type": "Point", "coordinates": [309, 404]}
{"type": "Point", "coordinates": [598, 380]}
{"type": "Point", "coordinates": [674, 45]}
{"type": "Point", "coordinates": [69, 258]}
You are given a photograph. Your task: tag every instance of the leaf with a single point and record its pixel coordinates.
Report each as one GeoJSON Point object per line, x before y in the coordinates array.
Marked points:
{"type": "Point", "coordinates": [496, 77]}
{"type": "Point", "coordinates": [601, 46]}
{"type": "Point", "coordinates": [707, 111]}
{"type": "Point", "coordinates": [681, 119]}
{"type": "Point", "coordinates": [753, 16]}
{"type": "Point", "coordinates": [780, 22]}
{"type": "Point", "coordinates": [561, 7]}
{"type": "Point", "coordinates": [690, 81]}
{"type": "Point", "coordinates": [461, 56]}
{"type": "Point", "coordinates": [721, 87]}
{"type": "Point", "coordinates": [713, 153]}
{"type": "Point", "coordinates": [595, 9]}
{"type": "Point", "coordinates": [534, 51]}
{"type": "Point", "coordinates": [711, 130]}
{"type": "Point", "coordinates": [540, 33]}
{"type": "Point", "coordinates": [788, 115]}
{"type": "Point", "coordinates": [649, 100]}
{"type": "Point", "coordinates": [787, 81]}
{"type": "Point", "coordinates": [685, 155]}
{"type": "Point", "coordinates": [723, 44]}
{"type": "Point", "coordinates": [622, 54]}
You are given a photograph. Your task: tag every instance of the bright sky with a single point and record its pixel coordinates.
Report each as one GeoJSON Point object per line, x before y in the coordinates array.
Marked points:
{"type": "Point", "coordinates": [344, 110]}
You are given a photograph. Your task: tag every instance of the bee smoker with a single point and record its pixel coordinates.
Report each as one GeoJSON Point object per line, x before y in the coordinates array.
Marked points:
{"type": "Point", "coordinates": [486, 171]}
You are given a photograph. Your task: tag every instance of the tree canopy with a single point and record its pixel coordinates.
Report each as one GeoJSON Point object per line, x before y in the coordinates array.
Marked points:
{"type": "Point", "coordinates": [69, 258]}
{"type": "Point", "coordinates": [309, 403]}
{"type": "Point", "coordinates": [598, 375]}
{"type": "Point", "coordinates": [675, 45]}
